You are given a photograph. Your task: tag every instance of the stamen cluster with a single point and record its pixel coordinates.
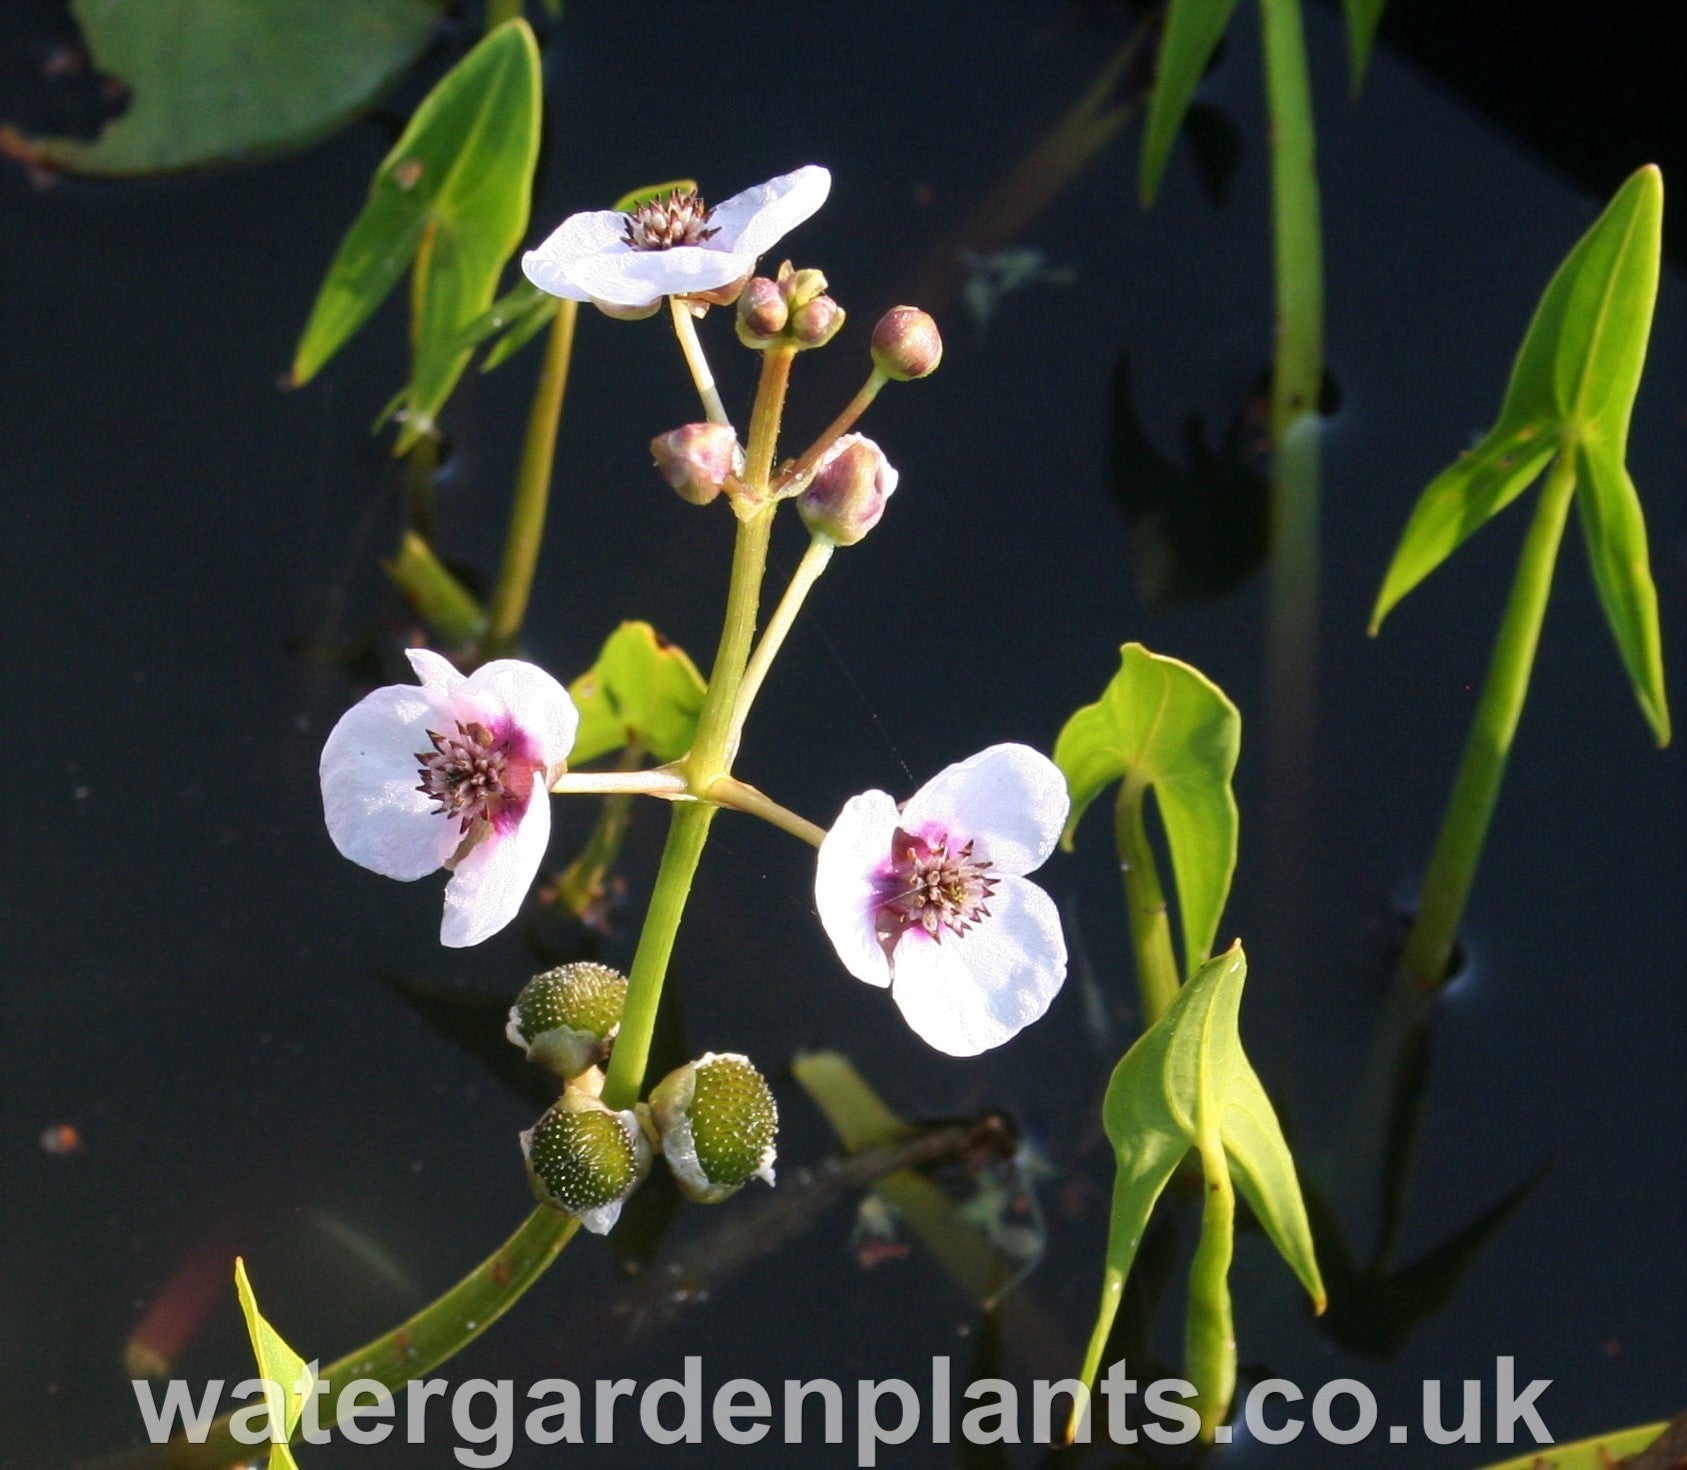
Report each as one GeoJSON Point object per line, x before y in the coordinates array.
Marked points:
{"type": "Point", "coordinates": [661, 223]}
{"type": "Point", "coordinates": [466, 774]}
{"type": "Point", "coordinates": [929, 886]}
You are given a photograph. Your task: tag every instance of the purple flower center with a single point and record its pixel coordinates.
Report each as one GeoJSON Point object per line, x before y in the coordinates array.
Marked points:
{"type": "Point", "coordinates": [931, 884]}
{"type": "Point", "coordinates": [661, 223]}
{"type": "Point", "coordinates": [476, 777]}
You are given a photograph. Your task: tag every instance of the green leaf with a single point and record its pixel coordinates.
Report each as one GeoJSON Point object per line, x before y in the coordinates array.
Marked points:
{"type": "Point", "coordinates": [442, 602]}
{"type": "Point", "coordinates": [515, 318]}
{"type": "Point", "coordinates": [452, 196]}
{"type": "Point", "coordinates": [1600, 1452]}
{"type": "Point", "coordinates": [1615, 531]}
{"type": "Point", "coordinates": [278, 1364]}
{"type": "Point", "coordinates": [1572, 390]}
{"type": "Point", "coordinates": [642, 688]}
{"type": "Point", "coordinates": [1362, 19]}
{"type": "Point", "coordinates": [631, 201]}
{"type": "Point", "coordinates": [1192, 32]}
{"type": "Point", "coordinates": [228, 81]}
{"type": "Point", "coordinates": [1163, 724]}
{"type": "Point", "coordinates": [1188, 1084]}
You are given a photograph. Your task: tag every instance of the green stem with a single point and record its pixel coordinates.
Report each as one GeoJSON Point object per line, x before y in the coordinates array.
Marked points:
{"type": "Point", "coordinates": [741, 797]}
{"type": "Point", "coordinates": [532, 489]}
{"type": "Point", "coordinates": [792, 479]}
{"type": "Point", "coordinates": [663, 781]}
{"type": "Point", "coordinates": [685, 328]}
{"type": "Point", "coordinates": [1459, 847]}
{"type": "Point", "coordinates": [1296, 383]}
{"type": "Point", "coordinates": [411, 1350]}
{"type": "Point", "coordinates": [1209, 1344]}
{"type": "Point", "coordinates": [808, 572]}
{"type": "Point", "coordinates": [1145, 901]}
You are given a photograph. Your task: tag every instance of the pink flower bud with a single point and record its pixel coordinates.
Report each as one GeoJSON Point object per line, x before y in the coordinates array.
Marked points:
{"type": "Point", "coordinates": [697, 459]}
{"type": "Point", "coordinates": [816, 322]}
{"type": "Point", "coordinates": [847, 495]}
{"type": "Point", "coordinates": [762, 312]}
{"type": "Point", "coordinates": [906, 344]}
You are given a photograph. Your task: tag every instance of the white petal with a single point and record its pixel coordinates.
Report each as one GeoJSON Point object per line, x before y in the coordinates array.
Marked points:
{"type": "Point", "coordinates": [579, 237]}
{"type": "Point", "coordinates": [751, 223]}
{"type": "Point", "coordinates": [850, 857]}
{"type": "Point", "coordinates": [487, 889]}
{"type": "Point", "coordinates": [1010, 800]}
{"type": "Point", "coordinates": [436, 672]}
{"type": "Point", "coordinates": [967, 993]}
{"type": "Point", "coordinates": [537, 704]}
{"type": "Point", "coordinates": [370, 771]}
{"type": "Point", "coordinates": [640, 277]}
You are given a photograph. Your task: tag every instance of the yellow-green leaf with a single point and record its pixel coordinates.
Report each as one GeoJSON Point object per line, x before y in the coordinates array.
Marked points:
{"type": "Point", "coordinates": [452, 197]}
{"type": "Point", "coordinates": [1163, 725]}
{"type": "Point", "coordinates": [448, 608]}
{"type": "Point", "coordinates": [1192, 32]}
{"type": "Point", "coordinates": [277, 1364]}
{"type": "Point", "coordinates": [1599, 1452]}
{"type": "Point", "coordinates": [1362, 19]}
{"type": "Point", "coordinates": [642, 688]}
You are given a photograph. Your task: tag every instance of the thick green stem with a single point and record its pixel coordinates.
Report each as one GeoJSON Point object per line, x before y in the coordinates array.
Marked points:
{"type": "Point", "coordinates": [1209, 1341]}
{"type": "Point", "coordinates": [1145, 902]}
{"type": "Point", "coordinates": [1296, 383]}
{"type": "Point", "coordinates": [685, 328]}
{"type": "Point", "coordinates": [442, 1328]}
{"type": "Point", "coordinates": [1459, 847]}
{"type": "Point", "coordinates": [532, 489]}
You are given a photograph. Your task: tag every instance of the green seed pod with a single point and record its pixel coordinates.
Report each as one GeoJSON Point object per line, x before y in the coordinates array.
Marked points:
{"type": "Point", "coordinates": [565, 1018]}
{"type": "Point", "coordinates": [717, 1122]}
{"type": "Point", "coordinates": [585, 1160]}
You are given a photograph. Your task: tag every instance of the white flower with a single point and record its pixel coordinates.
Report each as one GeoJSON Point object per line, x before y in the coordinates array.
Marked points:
{"type": "Point", "coordinates": [929, 899]}
{"type": "Point", "coordinates": [453, 774]}
{"type": "Point", "coordinates": [673, 246]}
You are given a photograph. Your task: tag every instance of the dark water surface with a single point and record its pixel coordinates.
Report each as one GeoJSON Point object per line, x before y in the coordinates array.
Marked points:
{"type": "Point", "coordinates": [193, 974]}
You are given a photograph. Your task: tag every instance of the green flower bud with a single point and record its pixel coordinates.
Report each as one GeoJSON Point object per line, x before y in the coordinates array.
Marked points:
{"type": "Point", "coordinates": [906, 344]}
{"type": "Point", "coordinates": [717, 1122]}
{"type": "Point", "coordinates": [585, 1160]}
{"type": "Point", "coordinates": [565, 1018]}
{"type": "Point", "coordinates": [800, 287]}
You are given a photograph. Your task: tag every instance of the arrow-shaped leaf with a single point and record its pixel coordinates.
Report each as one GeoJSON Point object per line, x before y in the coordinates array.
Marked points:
{"type": "Point", "coordinates": [1193, 29]}
{"type": "Point", "coordinates": [1163, 725]}
{"type": "Point", "coordinates": [452, 196]}
{"type": "Point", "coordinates": [642, 688]}
{"type": "Point", "coordinates": [1362, 19]}
{"type": "Point", "coordinates": [278, 1364]}
{"type": "Point", "coordinates": [1188, 1084]}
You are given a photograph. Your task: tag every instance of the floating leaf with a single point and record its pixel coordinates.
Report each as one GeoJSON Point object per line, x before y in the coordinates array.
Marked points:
{"type": "Point", "coordinates": [1193, 29]}
{"type": "Point", "coordinates": [642, 688]}
{"type": "Point", "coordinates": [1163, 725]}
{"type": "Point", "coordinates": [228, 81]}
{"type": "Point", "coordinates": [1362, 19]}
{"type": "Point", "coordinates": [452, 196]}
{"type": "Point", "coordinates": [442, 602]}
{"type": "Point", "coordinates": [1572, 391]}
{"type": "Point", "coordinates": [1188, 1084]}
{"type": "Point", "coordinates": [277, 1364]}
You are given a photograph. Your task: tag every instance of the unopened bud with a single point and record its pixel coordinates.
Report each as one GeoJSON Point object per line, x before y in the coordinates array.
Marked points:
{"type": "Point", "coordinates": [565, 1018]}
{"type": "Point", "coordinates": [697, 459]}
{"type": "Point", "coordinates": [800, 287]}
{"type": "Point", "coordinates": [762, 312]}
{"type": "Point", "coordinates": [585, 1160]}
{"type": "Point", "coordinates": [906, 344]}
{"type": "Point", "coordinates": [718, 1122]}
{"type": "Point", "coordinates": [816, 322]}
{"type": "Point", "coordinates": [847, 495]}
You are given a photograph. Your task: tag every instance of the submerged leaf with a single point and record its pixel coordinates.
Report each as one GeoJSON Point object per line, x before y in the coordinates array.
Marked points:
{"type": "Point", "coordinates": [452, 196]}
{"type": "Point", "coordinates": [1161, 724]}
{"type": "Point", "coordinates": [228, 81]}
{"type": "Point", "coordinates": [277, 1364]}
{"type": "Point", "coordinates": [441, 601]}
{"type": "Point", "coordinates": [642, 688]}
{"type": "Point", "coordinates": [1362, 19]}
{"type": "Point", "coordinates": [1193, 29]}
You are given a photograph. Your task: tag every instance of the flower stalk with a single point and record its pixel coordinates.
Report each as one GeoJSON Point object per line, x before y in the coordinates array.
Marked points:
{"type": "Point", "coordinates": [793, 478]}
{"type": "Point", "coordinates": [532, 489]}
{"type": "Point", "coordinates": [808, 572]}
{"type": "Point", "coordinates": [685, 328]}
{"type": "Point", "coordinates": [1458, 849]}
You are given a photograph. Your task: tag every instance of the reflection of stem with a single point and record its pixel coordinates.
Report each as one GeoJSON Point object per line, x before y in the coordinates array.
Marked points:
{"type": "Point", "coordinates": [1459, 847]}
{"type": "Point", "coordinates": [728, 791]}
{"type": "Point", "coordinates": [440, 1329]}
{"type": "Point", "coordinates": [806, 575]}
{"type": "Point", "coordinates": [1145, 901]}
{"type": "Point", "coordinates": [532, 489]}
{"type": "Point", "coordinates": [793, 477]}
{"type": "Point", "coordinates": [685, 328]}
